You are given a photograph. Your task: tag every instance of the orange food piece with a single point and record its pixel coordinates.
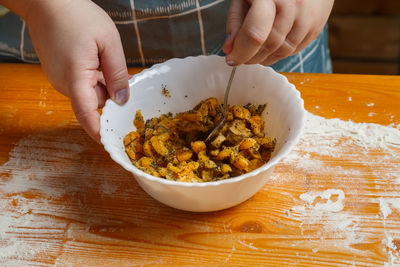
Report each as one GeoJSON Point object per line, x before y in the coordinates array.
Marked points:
{"type": "Point", "coordinates": [184, 155]}
{"type": "Point", "coordinates": [139, 121]}
{"type": "Point", "coordinates": [173, 147]}
{"type": "Point", "coordinates": [198, 146]}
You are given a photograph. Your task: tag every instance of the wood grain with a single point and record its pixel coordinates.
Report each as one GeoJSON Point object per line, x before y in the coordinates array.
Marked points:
{"type": "Point", "coordinates": [364, 37]}
{"type": "Point", "coordinates": [366, 7]}
{"type": "Point", "coordinates": [64, 202]}
{"type": "Point", "coordinates": [361, 66]}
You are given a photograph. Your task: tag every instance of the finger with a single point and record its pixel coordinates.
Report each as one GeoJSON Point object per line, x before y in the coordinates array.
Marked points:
{"type": "Point", "coordinates": [100, 77]}
{"type": "Point", "coordinates": [297, 34]}
{"type": "Point", "coordinates": [101, 89]}
{"type": "Point", "coordinates": [101, 93]}
{"type": "Point", "coordinates": [318, 24]}
{"type": "Point", "coordinates": [270, 60]}
{"type": "Point", "coordinates": [284, 19]}
{"type": "Point", "coordinates": [112, 61]}
{"type": "Point", "coordinates": [307, 40]}
{"type": "Point", "coordinates": [236, 14]}
{"type": "Point", "coordinates": [253, 33]}
{"type": "Point", "coordinates": [84, 100]}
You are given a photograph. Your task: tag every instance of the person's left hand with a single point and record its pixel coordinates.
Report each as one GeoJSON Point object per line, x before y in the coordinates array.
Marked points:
{"type": "Point", "coordinates": [265, 31]}
{"type": "Point", "coordinates": [73, 39]}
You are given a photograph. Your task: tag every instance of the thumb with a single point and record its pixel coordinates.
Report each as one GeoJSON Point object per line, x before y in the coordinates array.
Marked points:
{"type": "Point", "coordinates": [112, 62]}
{"type": "Point", "coordinates": [236, 14]}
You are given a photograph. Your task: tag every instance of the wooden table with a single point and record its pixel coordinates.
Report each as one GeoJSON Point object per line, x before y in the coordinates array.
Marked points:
{"type": "Point", "coordinates": [333, 201]}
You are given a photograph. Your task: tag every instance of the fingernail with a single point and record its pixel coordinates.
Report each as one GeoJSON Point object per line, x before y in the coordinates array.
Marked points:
{"type": "Point", "coordinates": [231, 63]}
{"type": "Point", "coordinates": [227, 38]}
{"type": "Point", "coordinates": [121, 96]}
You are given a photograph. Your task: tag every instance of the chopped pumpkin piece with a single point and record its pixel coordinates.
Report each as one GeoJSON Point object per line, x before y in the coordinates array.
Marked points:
{"type": "Point", "coordinates": [198, 146]}
{"type": "Point", "coordinates": [247, 143]}
{"type": "Point", "coordinates": [241, 112]}
{"type": "Point", "coordinates": [240, 162]}
{"type": "Point", "coordinates": [184, 155]}
{"type": "Point", "coordinates": [145, 161]}
{"type": "Point", "coordinates": [225, 153]}
{"type": "Point", "coordinates": [158, 145]}
{"type": "Point", "coordinates": [130, 137]}
{"type": "Point", "coordinates": [139, 121]}
{"type": "Point", "coordinates": [172, 147]}
{"type": "Point", "coordinates": [257, 124]}
{"type": "Point", "coordinates": [225, 168]}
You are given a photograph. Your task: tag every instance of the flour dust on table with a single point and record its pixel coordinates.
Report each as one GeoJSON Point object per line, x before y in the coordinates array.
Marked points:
{"type": "Point", "coordinates": [52, 192]}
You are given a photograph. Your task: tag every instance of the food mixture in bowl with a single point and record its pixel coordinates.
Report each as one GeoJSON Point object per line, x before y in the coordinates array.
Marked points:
{"type": "Point", "coordinates": [173, 147]}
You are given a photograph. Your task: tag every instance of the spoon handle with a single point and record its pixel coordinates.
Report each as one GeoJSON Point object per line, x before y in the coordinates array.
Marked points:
{"type": "Point", "coordinates": [228, 88]}
{"type": "Point", "coordinates": [225, 107]}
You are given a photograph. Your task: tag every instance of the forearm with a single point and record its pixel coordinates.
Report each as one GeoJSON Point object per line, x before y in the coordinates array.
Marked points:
{"type": "Point", "coordinates": [20, 7]}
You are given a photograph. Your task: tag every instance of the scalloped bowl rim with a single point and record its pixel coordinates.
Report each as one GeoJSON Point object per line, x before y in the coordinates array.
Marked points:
{"type": "Point", "coordinates": [272, 162]}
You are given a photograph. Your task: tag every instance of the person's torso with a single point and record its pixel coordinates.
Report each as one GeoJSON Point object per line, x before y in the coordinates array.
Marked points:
{"type": "Point", "coordinates": [153, 31]}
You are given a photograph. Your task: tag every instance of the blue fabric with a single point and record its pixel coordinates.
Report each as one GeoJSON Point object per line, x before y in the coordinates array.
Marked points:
{"type": "Point", "coordinates": [159, 30]}
{"type": "Point", "coordinates": [314, 58]}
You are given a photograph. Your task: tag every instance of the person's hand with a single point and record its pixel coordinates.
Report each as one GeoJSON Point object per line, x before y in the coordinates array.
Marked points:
{"type": "Point", "coordinates": [72, 39]}
{"type": "Point", "coordinates": [265, 31]}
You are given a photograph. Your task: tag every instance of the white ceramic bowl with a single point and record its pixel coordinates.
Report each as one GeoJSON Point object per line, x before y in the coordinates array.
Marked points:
{"type": "Point", "coordinates": [189, 81]}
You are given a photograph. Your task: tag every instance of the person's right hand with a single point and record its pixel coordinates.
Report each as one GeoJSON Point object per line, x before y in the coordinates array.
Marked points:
{"type": "Point", "coordinates": [72, 39]}
{"type": "Point", "coordinates": [265, 31]}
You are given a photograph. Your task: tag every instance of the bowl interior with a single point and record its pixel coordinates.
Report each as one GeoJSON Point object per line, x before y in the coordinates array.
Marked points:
{"type": "Point", "coordinates": [193, 79]}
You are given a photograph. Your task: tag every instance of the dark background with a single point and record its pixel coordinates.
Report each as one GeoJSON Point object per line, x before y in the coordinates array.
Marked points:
{"type": "Point", "coordinates": [364, 36]}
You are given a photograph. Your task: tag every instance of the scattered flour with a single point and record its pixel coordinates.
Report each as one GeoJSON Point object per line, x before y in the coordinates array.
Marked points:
{"type": "Point", "coordinates": [230, 255]}
{"type": "Point", "coordinates": [250, 245]}
{"type": "Point", "coordinates": [388, 242]}
{"type": "Point", "coordinates": [350, 143]}
{"type": "Point", "coordinates": [108, 188]}
{"type": "Point", "coordinates": [391, 249]}
{"type": "Point", "coordinates": [328, 212]}
{"type": "Point", "coordinates": [366, 149]}
{"type": "Point", "coordinates": [386, 205]}
{"type": "Point", "coordinates": [330, 205]}
{"type": "Point", "coordinates": [35, 160]}
{"type": "Point", "coordinates": [329, 217]}
{"type": "Point", "coordinates": [44, 165]}
{"type": "Point", "coordinates": [365, 135]}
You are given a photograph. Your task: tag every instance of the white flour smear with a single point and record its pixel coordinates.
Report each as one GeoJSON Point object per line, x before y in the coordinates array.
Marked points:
{"type": "Point", "coordinates": [45, 165]}
{"type": "Point", "coordinates": [387, 207]}
{"type": "Point", "coordinates": [349, 143]}
{"type": "Point", "coordinates": [365, 135]}
{"type": "Point", "coordinates": [329, 205]}
{"type": "Point", "coordinates": [328, 216]}
{"type": "Point", "coordinates": [361, 150]}
{"type": "Point", "coordinates": [388, 204]}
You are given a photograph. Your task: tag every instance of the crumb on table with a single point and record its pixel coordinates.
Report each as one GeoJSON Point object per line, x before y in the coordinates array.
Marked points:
{"type": "Point", "coordinates": [165, 92]}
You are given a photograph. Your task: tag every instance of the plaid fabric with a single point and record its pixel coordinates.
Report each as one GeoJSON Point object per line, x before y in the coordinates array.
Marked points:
{"type": "Point", "coordinates": [153, 31]}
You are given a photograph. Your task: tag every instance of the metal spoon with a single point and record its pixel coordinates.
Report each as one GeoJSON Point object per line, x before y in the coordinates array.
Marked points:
{"type": "Point", "coordinates": [225, 108]}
